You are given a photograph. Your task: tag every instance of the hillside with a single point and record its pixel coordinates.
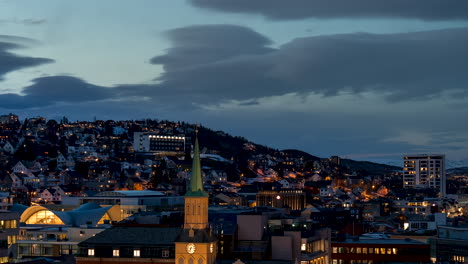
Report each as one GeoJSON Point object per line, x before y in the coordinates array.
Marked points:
{"type": "Point", "coordinates": [243, 153]}
{"type": "Point", "coordinates": [300, 153]}
{"type": "Point", "coordinates": [458, 171]}
{"type": "Point", "coordinates": [235, 147]}
{"type": "Point", "coordinates": [368, 167]}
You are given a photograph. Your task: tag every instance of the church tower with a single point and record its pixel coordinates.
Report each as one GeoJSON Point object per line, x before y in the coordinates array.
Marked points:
{"type": "Point", "coordinates": [196, 244]}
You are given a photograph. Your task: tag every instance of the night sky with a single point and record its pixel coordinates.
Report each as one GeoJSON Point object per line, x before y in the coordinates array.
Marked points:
{"type": "Point", "coordinates": [365, 79]}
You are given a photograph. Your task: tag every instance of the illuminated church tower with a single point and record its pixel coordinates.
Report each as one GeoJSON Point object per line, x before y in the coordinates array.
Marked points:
{"type": "Point", "coordinates": [196, 244]}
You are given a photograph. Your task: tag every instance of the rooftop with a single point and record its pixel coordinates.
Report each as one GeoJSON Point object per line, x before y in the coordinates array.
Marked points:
{"type": "Point", "coordinates": [380, 241]}
{"type": "Point", "coordinates": [125, 235]}
{"type": "Point", "coordinates": [130, 193]}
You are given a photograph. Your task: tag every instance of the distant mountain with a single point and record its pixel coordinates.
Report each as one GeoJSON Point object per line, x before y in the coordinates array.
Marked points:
{"type": "Point", "coordinates": [299, 153]}
{"type": "Point", "coordinates": [456, 163]}
{"type": "Point", "coordinates": [230, 146]}
{"type": "Point", "coordinates": [460, 170]}
{"type": "Point", "coordinates": [371, 168]}
{"type": "Point", "coordinates": [449, 163]}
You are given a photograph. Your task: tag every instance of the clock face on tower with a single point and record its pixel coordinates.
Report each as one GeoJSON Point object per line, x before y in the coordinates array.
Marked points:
{"type": "Point", "coordinates": [190, 248]}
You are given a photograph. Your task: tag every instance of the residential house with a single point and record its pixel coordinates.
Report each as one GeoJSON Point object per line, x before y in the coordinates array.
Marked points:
{"type": "Point", "coordinates": [8, 148]}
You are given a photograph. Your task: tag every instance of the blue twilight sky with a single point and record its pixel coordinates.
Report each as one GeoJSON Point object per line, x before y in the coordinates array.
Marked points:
{"type": "Point", "coordinates": [366, 79]}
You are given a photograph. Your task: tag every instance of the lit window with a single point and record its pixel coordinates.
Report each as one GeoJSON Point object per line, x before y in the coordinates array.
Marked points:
{"type": "Point", "coordinates": [115, 252]}
{"type": "Point", "coordinates": [303, 247]}
{"type": "Point", "coordinates": [136, 253]}
{"type": "Point", "coordinates": [90, 251]}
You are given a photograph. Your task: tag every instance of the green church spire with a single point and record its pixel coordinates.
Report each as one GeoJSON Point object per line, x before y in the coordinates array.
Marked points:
{"type": "Point", "coordinates": [196, 181]}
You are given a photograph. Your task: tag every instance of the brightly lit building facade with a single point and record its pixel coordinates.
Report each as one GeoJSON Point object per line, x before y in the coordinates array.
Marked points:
{"type": "Point", "coordinates": [52, 233]}
{"type": "Point", "coordinates": [147, 142]}
{"type": "Point", "coordinates": [425, 171]}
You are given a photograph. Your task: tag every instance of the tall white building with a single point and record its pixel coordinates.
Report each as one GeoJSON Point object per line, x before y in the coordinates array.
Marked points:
{"type": "Point", "coordinates": [156, 143]}
{"type": "Point", "coordinates": [425, 171]}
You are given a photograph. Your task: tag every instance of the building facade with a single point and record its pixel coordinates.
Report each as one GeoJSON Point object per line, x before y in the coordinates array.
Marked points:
{"type": "Point", "coordinates": [379, 250]}
{"type": "Point", "coordinates": [293, 199]}
{"type": "Point", "coordinates": [159, 144]}
{"type": "Point", "coordinates": [451, 245]}
{"type": "Point", "coordinates": [425, 171]}
{"type": "Point", "coordinates": [9, 229]}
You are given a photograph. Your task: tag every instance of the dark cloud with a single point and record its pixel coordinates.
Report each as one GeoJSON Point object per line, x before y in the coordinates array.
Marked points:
{"type": "Point", "coordinates": [27, 21]}
{"type": "Point", "coordinates": [300, 9]}
{"type": "Point", "coordinates": [10, 61]}
{"type": "Point", "coordinates": [32, 21]}
{"type": "Point", "coordinates": [20, 42]}
{"type": "Point", "coordinates": [190, 47]}
{"type": "Point", "coordinates": [54, 89]}
{"type": "Point", "coordinates": [218, 63]}
{"type": "Point", "coordinates": [406, 66]}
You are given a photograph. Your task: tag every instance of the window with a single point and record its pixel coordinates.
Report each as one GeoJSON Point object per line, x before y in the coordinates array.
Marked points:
{"type": "Point", "coordinates": [358, 250]}
{"type": "Point", "coordinates": [165, 253]}
{"type": "Point", "coordinates": [364, 250]}
{"type": "Point", "coordinates": [11, 240]}
{"type": "Point", "coordinates": [44, 217]}
{"type": "Point", "coordinates": [90, 252]}
{"type": "Point", "coordinates": [136, 253]}
{"type": "Point", "coordinates": [115, 253]}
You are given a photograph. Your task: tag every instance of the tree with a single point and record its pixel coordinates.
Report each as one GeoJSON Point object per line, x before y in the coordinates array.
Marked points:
{"type": "Point", "coordinates": [26, 151]}
{"type": "Point", "coordinates": [82, 168]}
{"type": "Point", "coordinates": [52, 165]}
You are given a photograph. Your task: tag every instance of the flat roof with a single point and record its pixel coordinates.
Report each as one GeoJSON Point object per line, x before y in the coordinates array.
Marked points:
{"type": "Point", "coordinates": [129, 193]}
{"type": "Point", "coordinates": [381, 241]}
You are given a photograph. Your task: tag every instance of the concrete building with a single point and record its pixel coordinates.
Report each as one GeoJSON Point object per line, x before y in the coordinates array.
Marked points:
{"type": "Point", "coordinates": [379, 250]}
{"type": "Point", "coordinates": [451, 245]}
{"type": "Point", "coordinates": [293, 199]}
{"type": "Point", "coordinates": [9, 229]}
{"type": "Point", "coordinates": [424, 207]}
{"type": "Point", "coordinates": [425, 171]}
{"type": "Point", "coordinates": [54, 233]}
{"type": "Point", "coordinates": [159, 144]}
{"type": "Point", "coordinates": [416, 222]}
{"type": "Point", "coordinates": [130, 202]}
{"type": "Point", "coordinates": [52, 241]}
